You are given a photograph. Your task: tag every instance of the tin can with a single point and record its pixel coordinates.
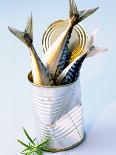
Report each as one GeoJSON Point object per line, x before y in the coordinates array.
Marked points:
{"type": "Point", "coordinates": [58, 114]}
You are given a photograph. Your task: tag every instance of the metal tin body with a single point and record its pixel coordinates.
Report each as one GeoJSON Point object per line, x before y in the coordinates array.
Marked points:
{"type": "Point", "coordinates": [58, 115]}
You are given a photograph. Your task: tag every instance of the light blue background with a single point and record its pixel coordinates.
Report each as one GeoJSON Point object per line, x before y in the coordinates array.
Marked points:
{"type": "Point", "coordinates": [98, 74]}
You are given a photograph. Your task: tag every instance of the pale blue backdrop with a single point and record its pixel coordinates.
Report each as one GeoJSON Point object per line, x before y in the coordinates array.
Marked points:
{"type": "Point", "coordinates": [98, 74]}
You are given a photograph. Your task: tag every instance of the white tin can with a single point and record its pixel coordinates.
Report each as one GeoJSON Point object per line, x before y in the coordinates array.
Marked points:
{"type": "Point", "coordinates": [58, 115]}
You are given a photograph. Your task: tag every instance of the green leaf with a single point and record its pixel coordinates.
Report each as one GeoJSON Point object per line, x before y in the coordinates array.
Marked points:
{"type": "Point", "coordinates": [32, 146]}
{"type": "Point", "coordinates": [39, 152]}
{"type": "Point", "coordinates": [27, 135]}
{"type": "Point", "coordinates": [30, 153]}
{"type": "Point", "coordinates": [43, 144]}
{"type": "Point", "coordinates": [22, 143]}
{"type": "Point", "coordinates": [34, 140]}
{"type": "Point", "coordinates": [25, 150]}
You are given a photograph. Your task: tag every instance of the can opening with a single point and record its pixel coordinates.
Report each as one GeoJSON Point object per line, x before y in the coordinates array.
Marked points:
{"type": "Point", "coordinates": [30, 78]}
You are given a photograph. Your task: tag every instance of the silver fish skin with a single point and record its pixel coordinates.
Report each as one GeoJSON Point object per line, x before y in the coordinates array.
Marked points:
{"type": "Point", "coordinates": [74, 15]}
{"type": "Point", "coordinates": [55, 59]}
{"type": "Point", "coordinates": [40, 74]}
{"type": "Point", "coordinates": [52, 57]}
{"type": "Point", "coordinates": [72, 72]}
{"type": "Point", "coordinates": [78, 17]}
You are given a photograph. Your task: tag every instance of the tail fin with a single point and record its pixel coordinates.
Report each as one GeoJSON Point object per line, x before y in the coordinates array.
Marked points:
{"type": "Point", "coordinates": [73, 9]}
{"type": "Point", "coordinates": [27, 36]}
{"type": "Point", "coordinates": [96, 50]}
{"type": "Point", "coordinates": [91, 40]}
{"type": "Point", "coordinates": [90, 48]}
{"type": "Point", "coordinates": [86, 13]}
{"type": "Point", "coordinates": [80, 15]}
{"type": "Point", "coordinates": [29, 27]}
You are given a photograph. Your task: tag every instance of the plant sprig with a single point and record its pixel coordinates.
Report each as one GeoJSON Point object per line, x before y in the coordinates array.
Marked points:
{"type": "Point", "coordinates": [33, 146]}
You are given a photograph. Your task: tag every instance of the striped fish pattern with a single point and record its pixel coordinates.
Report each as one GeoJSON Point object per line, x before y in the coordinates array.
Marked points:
{"type": "Point", "coordinates": [59, 66]}
{"type": "Point", "coordinates": [78, 17]}
{"type": "Point", "coordinates": [64, 61]}
{"type": "Point", "coordinates": [72, 72]}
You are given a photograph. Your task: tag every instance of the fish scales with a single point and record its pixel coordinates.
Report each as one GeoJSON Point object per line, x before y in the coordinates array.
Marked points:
{"type": "Point", "coordinates": [74, 72]}
{"type": "Point", "coordinates": [58, 52]}
{"type": "Point", "coordinates": [64, 61]}
{"type": "Point", "coordinates": [76, 18]}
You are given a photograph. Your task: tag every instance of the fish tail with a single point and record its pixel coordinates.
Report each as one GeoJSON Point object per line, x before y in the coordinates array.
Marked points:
{"type": "Point", "coordinates": [96, 50]}
{"type": "Point", "coordinates": [86, 13]}
{"type": "Point", "coordinates": [73, 9]}
{"type": "Point", "coordinates": [27, 36]}
{"type": "Point", "coordinates": [40, 74]}
{"type": "Point", "coordinates": [64, 60]}
{"type": "Point", "coordinates": [78, 16]}
{"type": "Point", "coordinates": [73, 12]}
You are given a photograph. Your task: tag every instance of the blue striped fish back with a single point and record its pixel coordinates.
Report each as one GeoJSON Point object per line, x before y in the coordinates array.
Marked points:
{"type": "Point", "coordinates": [74, 72]}
{"type": "Point", "coordinates": [64, 61]}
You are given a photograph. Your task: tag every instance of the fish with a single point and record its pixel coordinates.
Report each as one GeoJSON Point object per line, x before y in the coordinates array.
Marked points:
{"type": "Point", "coordinates": [96, 50]}
{"type": "Point", "coordinates": [55, 59]}
{"type": "Point", "coordinates": [71, 73]}
{"type": "Point", "coordinates": [40, 74]}
{"type": "Point", "coordinates": [78, 51]}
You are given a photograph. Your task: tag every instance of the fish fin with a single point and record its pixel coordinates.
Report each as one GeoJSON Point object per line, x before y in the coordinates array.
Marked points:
{"type": "Point", "coordinates": [86, 13]}
{"type": "Point", "coordinates": [96, 50]}
{"type": "Point", "coordinates": [27, 36]}
{"type": "Point", "coordinates": [29, 27]}
{"type": "Point", "coordinates": [79, 15]}
{"type": "Point", "coordinates": [18, 34]}
{"type": "Point", "coordinates": [91, 39]}
{"type": "Point", "coordinates": [73, 9]}
{"type": "Point", "coordinates": [81, 12]}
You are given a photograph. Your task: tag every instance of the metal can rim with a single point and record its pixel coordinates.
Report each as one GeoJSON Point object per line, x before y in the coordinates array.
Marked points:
{"type": "Point", "coordinates": [60, 86]}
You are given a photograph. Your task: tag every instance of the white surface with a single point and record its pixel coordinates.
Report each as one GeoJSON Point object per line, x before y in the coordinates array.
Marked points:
{"type": "Point", "coordinates": [101, 139]}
